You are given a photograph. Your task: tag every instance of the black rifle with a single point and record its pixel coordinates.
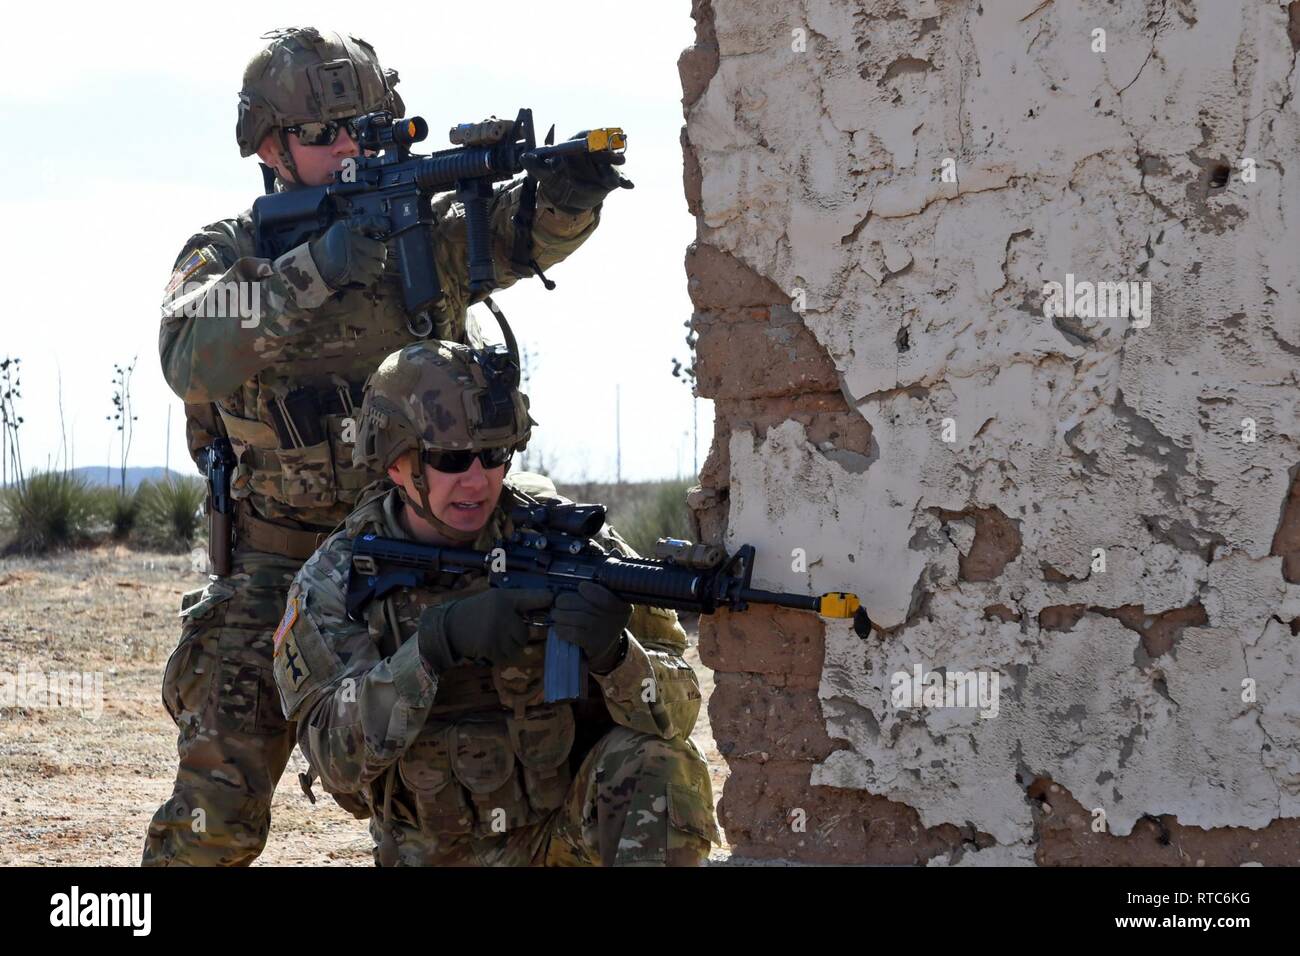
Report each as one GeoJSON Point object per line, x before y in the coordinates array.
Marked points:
{"type": "Point", "coordinates": [551, 548]}
{"type": "Point", "coordinates": [397, 186]}
{"type": "Point", "coordinates": [216, 462]}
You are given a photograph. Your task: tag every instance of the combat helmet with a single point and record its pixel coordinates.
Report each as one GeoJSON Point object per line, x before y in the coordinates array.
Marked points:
{"type": "Point", "coordinates": [441, 396]}
{"type": "Point", "coordinates": [306, 76]}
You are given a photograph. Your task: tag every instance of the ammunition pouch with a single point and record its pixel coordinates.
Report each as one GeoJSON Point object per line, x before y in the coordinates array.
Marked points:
{"type": "Point", "coordinates": [298, 417]}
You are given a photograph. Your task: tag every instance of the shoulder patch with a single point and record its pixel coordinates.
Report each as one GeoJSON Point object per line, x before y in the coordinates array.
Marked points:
{"type": "Point", "coordinates": [188, 266]}
{"type": "Point", "coordinates": [295, 669]}
{"type": "Point", "coordinates": [286, 622]}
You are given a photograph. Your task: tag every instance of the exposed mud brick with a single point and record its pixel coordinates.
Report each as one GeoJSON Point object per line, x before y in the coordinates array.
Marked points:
{"type": "Point", "coordinates": [997, 542]}
{"type": "Point", "coordinates": [698, 62]}
{"type": "Point", "coordinates": [1000, 612]}
{"type": "Point", "coordinates": [1160, 631]}
{"type": "Point", "coordinates": [760, 810]}
{"type": "Point", "coordinates": [1066, 838]}
{"type": "Point", "coordinates": [753, 718]}
{"type": "Point", "coordinates": [1286, 543]}
{"type": "Point", "coordinates": [708, 506]}
{"type": "Point", "coordinates": [721, 281]}
{"type": "Point", "coordinates": [1053, 576]}
{"type": "Point", "coordinates": [825, 416]}
{"type": "Point", "coordinates": [1061, 617]}
{"type": "Point", "coordinates": [690, 175]}
{"type": "Point", "coordinates": [773, 641]}
{"type": "Point", "coordinates": [759, 352]}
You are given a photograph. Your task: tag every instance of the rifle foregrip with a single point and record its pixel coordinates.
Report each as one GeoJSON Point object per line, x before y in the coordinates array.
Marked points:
{"type": "Point", "coordinates": [478, 229]}
{"type": "Point", "coordinates": [648, 582]}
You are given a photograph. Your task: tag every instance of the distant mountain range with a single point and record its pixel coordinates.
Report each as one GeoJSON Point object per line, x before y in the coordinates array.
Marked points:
{"type": "Point", "coordinates": [113, 476]}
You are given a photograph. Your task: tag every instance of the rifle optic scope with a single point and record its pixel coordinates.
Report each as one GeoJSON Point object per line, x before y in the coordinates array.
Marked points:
{"type": "Point", "coordinates": [377, 131]}
{"type": "Point", "coordinates": [575, 519]}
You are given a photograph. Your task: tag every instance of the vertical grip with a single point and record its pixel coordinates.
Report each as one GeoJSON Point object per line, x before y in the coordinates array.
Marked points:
{"type": "Point", "coordinates": [474, 195]}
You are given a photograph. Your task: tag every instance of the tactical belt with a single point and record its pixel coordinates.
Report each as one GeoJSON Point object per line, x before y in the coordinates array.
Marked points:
{"type": "Point", "coordinates": [262, 535]}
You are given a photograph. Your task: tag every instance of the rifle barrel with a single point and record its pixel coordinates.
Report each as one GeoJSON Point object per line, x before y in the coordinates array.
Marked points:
{"type": "Point", "coordinates": [834, 604]}
{"type": "Point", "coordinates": [800, 602]}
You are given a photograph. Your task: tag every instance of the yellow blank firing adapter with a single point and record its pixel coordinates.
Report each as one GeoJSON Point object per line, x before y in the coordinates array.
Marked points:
{"type": "Point", "coordinates": [844, 604]}
{"type": "Point", "coordinates": [839, 604]}
{"type": "Point", "coordinates": [607, 138]}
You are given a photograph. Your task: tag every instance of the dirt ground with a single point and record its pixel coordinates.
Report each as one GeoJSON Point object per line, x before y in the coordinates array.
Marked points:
{"type": "Point", "coordinates": [80, 788]}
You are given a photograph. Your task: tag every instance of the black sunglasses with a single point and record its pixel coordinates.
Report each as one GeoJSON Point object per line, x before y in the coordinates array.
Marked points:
{"type": "Point", "coordinates": [459, 462]}
{"type": "Point", "coordinates": [324, 134]}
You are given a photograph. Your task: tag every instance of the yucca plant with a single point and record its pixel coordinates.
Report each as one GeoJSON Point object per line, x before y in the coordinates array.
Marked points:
{"type": "Point", "coordinates": [169, 510]}
{"type": "Point", "coordinates": [120, 510]}
{"type": "Point", "coordinates": [46, 511]}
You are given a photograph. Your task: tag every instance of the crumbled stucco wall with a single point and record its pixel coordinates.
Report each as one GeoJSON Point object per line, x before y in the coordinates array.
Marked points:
{"type": "Point", "coordinates": [855, 310]}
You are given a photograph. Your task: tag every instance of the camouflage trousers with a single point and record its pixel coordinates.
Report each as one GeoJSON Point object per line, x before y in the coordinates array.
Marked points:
{"type": "Point", "coordinates": [636, 800]}
{"type": "Point", "coordinates": [234, 741]}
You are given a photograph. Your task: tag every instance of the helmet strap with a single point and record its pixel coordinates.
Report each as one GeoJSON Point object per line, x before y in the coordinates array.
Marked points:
{"type": "Point", "coordinates": [424, 509]}
{"type": "Point", "coordinates": [286, 157]}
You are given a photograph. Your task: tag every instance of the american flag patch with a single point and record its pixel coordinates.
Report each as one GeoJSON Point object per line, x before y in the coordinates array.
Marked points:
{"type": "Point", "coordinates": [190, 265]}
{"type": "Point", "coordinates": [286, 622]}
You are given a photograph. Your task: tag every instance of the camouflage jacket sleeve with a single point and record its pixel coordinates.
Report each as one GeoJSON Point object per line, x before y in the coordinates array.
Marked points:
{"type": "Point", "coordinates": [204, 359]}
{"type": "Point", "coordinates": [556, 234]}
{"type": "Point", "coordinates": [356, 712]}
{"type": "Point", "coordinates": [652, 689]}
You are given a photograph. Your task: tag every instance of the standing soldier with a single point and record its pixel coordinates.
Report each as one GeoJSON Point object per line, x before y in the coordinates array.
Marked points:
{"type": "Point", "coordinates": [282, 389]}
{"type": "Point", "coordinates": [427, 715]}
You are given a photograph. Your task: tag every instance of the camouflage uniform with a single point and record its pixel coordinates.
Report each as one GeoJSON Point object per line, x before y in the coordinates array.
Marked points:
{"type": "Point", "coordinates": [284, 392]}
{"type": "Point", "coordinates": [470, 767]}
{"type": "Point", "coordinates": [465, 763]}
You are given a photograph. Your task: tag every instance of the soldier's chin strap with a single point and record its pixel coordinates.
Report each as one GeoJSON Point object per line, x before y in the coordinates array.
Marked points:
{"type": "Point", "coordinates": [424, 509]}
{"type": "Point", "coordinates": [269, 174]}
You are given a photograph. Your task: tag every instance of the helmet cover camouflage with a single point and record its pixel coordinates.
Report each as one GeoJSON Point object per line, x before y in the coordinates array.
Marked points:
{"type": "Point", "coordinates": [305, 76]}
{"type": "Point", "coordinates": [439, 396]}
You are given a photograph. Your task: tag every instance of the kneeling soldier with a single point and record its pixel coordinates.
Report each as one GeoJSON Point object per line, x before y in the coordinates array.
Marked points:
{"type": "Point", "coordinates": [428, 715]}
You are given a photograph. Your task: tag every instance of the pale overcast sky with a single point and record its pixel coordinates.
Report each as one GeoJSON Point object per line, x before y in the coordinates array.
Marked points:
{"type": "Point", "coordinates": [121, 123]}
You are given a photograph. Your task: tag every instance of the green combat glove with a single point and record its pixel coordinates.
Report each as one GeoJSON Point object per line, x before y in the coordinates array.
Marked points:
{"type": "Point", "coordinates": [350, 257]}
{"type": "Point", "coordinates": [594, 619]}
{"type": "Point", "coordinates": [486, 627]}
{"type": "Point", "coordinates": [577, 183]}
